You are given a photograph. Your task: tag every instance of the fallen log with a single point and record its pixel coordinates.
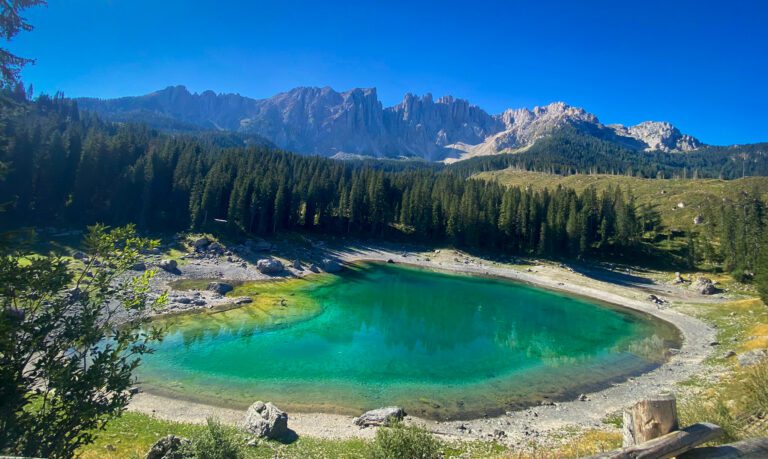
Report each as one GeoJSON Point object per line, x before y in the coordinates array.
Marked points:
{"type": "Point", "coordinates": [755, 448]}
{"type": "Point", "coordinates": [667, 446]}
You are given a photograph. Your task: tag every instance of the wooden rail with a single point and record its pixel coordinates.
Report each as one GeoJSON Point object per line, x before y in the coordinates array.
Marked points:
{"type": "Point", "coordinates": [669, 445]}
{"type": "Point", "coordinates": [756, 448]}
{"type": "Point", "coordinates": [651, 432]}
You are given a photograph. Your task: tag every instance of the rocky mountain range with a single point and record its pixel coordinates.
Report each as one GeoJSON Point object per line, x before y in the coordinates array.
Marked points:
{"type": "Point", "coordinates": [330, 123]}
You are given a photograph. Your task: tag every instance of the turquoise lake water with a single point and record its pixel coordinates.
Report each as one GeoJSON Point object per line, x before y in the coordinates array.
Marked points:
{"type": "Point", "coordinates": [440, 345]}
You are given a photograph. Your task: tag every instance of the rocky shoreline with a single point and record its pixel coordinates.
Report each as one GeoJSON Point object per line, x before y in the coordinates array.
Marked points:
{"type": "Point", "coordinates": [514, 428]}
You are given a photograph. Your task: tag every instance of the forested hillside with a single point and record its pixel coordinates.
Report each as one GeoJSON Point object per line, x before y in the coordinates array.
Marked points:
{"type": "Point", "coordinates": [571, 152]}
{"type": "Point", "coordinates": [70, 168]}
{"type": "Point", "coordinates": [678, 201]}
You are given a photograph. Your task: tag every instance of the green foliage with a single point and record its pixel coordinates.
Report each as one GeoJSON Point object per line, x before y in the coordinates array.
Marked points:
{"type": "Point", "coordinates": [405, 442]}
{"type": "Point", "coordinates": [569, 151]}
{"type": "Point", "coordinates": [83, 170]}
{"type": "Point", "coordinates": [217, 442]}
{"type": "Point", "coordinates": [70, 337]}
{"type": "Point", "coordinates": [11, 23]}
{"type": "Point", "coordinates": [761, 275]}
{"type": "Point", "coordinates": [740, 224]}
{"type": "Point", "coordinates": [716, 412]}
{"type": "Point", "coordinates": [755, 387]}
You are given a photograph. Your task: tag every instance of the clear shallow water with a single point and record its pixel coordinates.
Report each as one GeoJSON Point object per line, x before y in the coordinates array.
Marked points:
{"type": "Point", "coordinates": [441, 345]}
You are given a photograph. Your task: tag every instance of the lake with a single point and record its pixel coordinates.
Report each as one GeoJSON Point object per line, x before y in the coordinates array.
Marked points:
{"type": "Point", "coordinates": [443, 346]}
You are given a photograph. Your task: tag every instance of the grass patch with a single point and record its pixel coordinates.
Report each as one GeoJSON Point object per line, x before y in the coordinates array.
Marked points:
{"type": "Point", "coordinates": [697, 195]}
{"type": "Point", "coordinates": [132, 434]}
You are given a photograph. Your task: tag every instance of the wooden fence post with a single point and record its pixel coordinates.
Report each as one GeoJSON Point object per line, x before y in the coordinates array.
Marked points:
{"type": "Point", "coordinates": [649, 419]}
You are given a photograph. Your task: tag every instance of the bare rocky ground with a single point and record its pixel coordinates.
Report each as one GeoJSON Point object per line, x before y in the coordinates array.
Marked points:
{"type": "Point", "coordinates": [301, 257]}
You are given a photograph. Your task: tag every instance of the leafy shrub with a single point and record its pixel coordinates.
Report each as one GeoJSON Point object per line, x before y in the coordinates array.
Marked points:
{"type": "Point", "coordinates": [404, 442]}
{"type": "Point", "coordinates": [217, 442]}
{"type": "Point", "coordinates": [743, 276]}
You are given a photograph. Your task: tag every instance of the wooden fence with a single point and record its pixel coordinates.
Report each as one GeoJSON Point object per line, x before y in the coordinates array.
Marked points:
{"type": "Point", "coordinates": [651, 431]}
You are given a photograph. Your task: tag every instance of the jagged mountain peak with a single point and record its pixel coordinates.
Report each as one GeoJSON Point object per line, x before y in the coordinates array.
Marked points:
{"type": "Point", "coordinates": [321, 120]}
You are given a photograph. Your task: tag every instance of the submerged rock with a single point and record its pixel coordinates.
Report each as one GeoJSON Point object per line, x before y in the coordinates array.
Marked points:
{"type": "Point", "coordinates": [265, 420]}
{"type": "Point", "coordinates": [170, 447]}
{"type": "Point", "coordinates": [269, 266]}
{"type": "Point", "coordinates": [222, 288]}
{"type": "Point", "coordinates": [380, 416]}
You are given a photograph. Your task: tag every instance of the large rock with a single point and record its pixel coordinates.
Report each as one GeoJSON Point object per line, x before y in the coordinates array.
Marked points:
{"type": "Point", "coordinates": [380, 416]}
{"type": "Point", "coordinates": [139, 266]}
{"type": "Point", "coordinates": [169, 265]}
{"type": "Point", "coordinates": [200, 243]}
{"type": "Point", "coordinates": [216, 247]}
{"type": "Point", "coordinates": [269, 266]}
{"type": "Point", "coordinates": [222, 288]}
{"type": "Point", "coordinates": [706, 286]}
{"type": "Point", "coordinates": [753, 357]}
{"type": "Point", "coordinates": [331, 266]}
{"type": "Point", "coordinates": [265, 420]}
{"type": "Point", "coordinates": [170, 447]}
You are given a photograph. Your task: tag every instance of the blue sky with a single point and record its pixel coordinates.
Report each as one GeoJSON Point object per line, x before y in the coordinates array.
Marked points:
{"type": "Point", "coordinates": [702, 65]}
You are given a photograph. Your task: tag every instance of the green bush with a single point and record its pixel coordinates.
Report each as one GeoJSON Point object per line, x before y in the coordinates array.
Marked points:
{"type": "Point", "coordinates": [217, 442]}
{"type": "Point", "coordinates": [404, 442]}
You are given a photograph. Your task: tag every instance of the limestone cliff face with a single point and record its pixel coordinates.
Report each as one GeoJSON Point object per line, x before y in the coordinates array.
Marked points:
{"type": "Point", "coordinates": [659, 136]}
{"type": "Point", "coordinates": [326, 122]}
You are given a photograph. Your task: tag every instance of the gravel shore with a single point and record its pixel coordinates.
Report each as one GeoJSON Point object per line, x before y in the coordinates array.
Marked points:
{"type": "Point", "coordinates": [519, 427]}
